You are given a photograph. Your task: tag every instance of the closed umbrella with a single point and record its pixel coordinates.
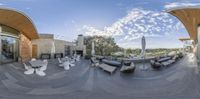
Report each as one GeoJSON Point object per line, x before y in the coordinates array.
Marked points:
{"type": "Point", "coordinates": [143, 52]}
{"type": "Point", "coordinates": [143, 46]}
{"type": "Point", "coordinates": [93, 51]}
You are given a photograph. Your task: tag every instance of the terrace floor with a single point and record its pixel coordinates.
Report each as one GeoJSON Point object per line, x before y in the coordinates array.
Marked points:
{"type": "Point", "coordinates": [179, 81]}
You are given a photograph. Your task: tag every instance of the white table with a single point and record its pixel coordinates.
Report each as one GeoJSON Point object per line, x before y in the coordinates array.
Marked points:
{"type": "Point", "coordinates": [37, 63]}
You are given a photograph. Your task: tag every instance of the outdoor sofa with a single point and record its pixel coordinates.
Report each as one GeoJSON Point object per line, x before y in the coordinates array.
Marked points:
{"type": "Point", "coordinates": [160, 62]}
{"type": "Point", "coordinates": [107, 68]}
{"type": "Point", "coordinates": [128, 67]}
{"type": "Point", "coordinates": [112, 62]}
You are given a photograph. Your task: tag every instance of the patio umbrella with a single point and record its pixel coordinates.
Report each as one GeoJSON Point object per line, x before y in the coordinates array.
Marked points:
{"type": "Point", "coordinates": [143, 46]}
{"type": "Point", "coordinates": [143, 52]}
{"type": "Point", "coordinates": [93, 51]}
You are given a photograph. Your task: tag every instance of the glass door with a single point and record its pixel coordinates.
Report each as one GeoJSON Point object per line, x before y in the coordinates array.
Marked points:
{"type": "Point", "coordinates": [9, 49]}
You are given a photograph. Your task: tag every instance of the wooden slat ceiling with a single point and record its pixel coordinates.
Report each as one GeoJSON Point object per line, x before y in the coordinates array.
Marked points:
{"type": "Point", "coordinates": [18, 21]}
{"type": "Point", "coordinates": [184, 39]}
{"type": "Point", "coordinates": [190, 17]}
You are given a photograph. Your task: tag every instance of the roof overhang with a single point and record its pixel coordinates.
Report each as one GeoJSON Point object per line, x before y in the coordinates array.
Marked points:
{"type": "Point", "coordinates": [19, 21]}
{"type": "Point", "coordinates": [190, 17]}
{"type": "Point", "coordinates": [184, 39]}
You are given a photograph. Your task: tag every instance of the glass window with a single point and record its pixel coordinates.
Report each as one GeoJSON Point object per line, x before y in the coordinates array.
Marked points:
{"type": "Point", "coordinates": [9, 45]}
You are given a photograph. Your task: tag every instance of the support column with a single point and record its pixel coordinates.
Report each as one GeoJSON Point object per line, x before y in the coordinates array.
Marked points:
{"type": "Point", "coordinates": [0, 44]}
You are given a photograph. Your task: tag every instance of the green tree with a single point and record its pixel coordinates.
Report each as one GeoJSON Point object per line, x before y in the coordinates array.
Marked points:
{"type": "Point", "coordinates": [129, 51]}
{"type": "Point", "coordinates": [103, 45]}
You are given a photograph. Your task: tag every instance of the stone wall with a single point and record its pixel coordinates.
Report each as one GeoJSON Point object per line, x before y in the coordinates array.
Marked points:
{"type": "Point", "coordinates": [25, 48]}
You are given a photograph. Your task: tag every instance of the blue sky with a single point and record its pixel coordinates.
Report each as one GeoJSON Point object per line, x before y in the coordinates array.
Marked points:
{"type": "Point", "coordinates": [125, 20]}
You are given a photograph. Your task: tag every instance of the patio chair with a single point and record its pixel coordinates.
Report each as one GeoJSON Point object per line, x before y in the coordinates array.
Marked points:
{"type": "Point", "coordinates": [40, 72]}
{"type": "Point", "coordinates": [33, 59]}
{"type": "Point", "coordinates": [29, 69]}
{"type": "Point", "coordinates": [66, 57]}
{"type": "Point", "coordinates": [72, 61]}
{"type": "Point", "coordinates": [44, 67]}
{"type": "Point", "coordinates": [72, 65]}
{"type": "Point", "coordinates": [94, 62]}
{"type": "Point", "coordinates": [78, 58]}
{"type": "Point", "coordinates": [26, 66]}
{"type": "Point", "coordinates": [60, 62]}
{"type": "Point", "coordinates": [128, 69]}
{"type": "Point", "coordinates": [155, 64]}
{"type": "Point", "coordinates": [66, 65]}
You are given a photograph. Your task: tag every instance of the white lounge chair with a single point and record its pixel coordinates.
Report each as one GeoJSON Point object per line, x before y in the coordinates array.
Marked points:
{"type": "Point", "coordinates": [29, 69]}
{"type": "Point", "coordinates": [40, 72]}
{"type": "Point", "coordinates": [66, 65]}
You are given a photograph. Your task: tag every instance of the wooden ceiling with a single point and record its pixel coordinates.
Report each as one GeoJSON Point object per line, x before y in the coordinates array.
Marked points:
{"type": "Point", "coordinates": [18, 21]}
{"type": "Point", "coordinates": [184, 39]}
{"type": "Point", "coordinates": [190, 17]}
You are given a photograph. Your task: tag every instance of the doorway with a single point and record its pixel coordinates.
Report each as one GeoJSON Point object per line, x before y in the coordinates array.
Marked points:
{"type": "Point", "coordinates": [34, 51]}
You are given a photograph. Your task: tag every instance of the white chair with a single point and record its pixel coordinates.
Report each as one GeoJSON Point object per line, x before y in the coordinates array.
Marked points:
{"type": "Point", "coordinates": [72, 61]}
{"type": "Point", "coordinates": [60, 62]}
{"type": "Point", "coordinates": [29, 69]}
{"type": "Point", "coordinates": [78, 58]}
{"type": "Point", "coordinates": [72, 65]}
{"type": "Point", "coordinates": [33, 59]}
{"type": "Point", "coordinates": [66, 57]}
{"type": "Point", "coordinates": [40, 72]}
{"type": "Point", "coordinates": [44, 67]}
{"type": "Point", "coordinates": [66, 65]}
{"type": "Point", "coordinates": [26, 67]}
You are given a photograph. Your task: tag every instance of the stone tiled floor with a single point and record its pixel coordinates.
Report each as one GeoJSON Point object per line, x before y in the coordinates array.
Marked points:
{"type": "Point", "coordinates": [179, 81]}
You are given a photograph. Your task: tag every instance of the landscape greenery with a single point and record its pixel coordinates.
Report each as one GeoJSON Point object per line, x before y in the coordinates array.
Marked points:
{"type": "Point", "coordinates": [106, 46]}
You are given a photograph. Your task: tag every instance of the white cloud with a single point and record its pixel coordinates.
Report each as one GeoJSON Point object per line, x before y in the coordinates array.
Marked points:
{"type": "Point", "coordinates": [136, 23]}
{"type": "Point", "coordinates": [178, 4]}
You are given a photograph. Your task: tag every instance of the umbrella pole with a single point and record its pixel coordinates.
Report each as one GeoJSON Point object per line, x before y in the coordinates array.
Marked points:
{"type": "Point", "coordinates": [144, 67]}
{"type": "Point", "coordinates": [143, 63]}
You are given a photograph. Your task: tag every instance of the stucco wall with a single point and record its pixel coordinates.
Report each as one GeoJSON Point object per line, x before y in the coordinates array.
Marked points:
{"type": "Point", "coordinates": [25, 49]}
{"type": "Point", "coordinates": [51, 45]}
{"type": "Point", "coordinates": [60, 46]}
{"type": "Point", "coordinates": [44, 46]}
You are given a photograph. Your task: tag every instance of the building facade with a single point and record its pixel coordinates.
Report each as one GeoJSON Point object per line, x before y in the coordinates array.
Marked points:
{"type": "Point", "coordinates": [46, 44]}
{"type": "Point", "coordinates": [189, 16]}
{"type": "Point", "coordinates": [16, 33]}
{"type": "Point", "coordinates": [20, 41]}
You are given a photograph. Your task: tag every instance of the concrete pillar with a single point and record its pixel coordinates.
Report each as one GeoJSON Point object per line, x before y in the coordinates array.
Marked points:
{"type": "Point", "coordinates": [0, 44]}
